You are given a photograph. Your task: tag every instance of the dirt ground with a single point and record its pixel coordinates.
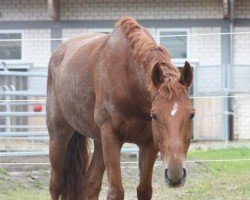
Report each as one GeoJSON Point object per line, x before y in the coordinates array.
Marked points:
{"type": "Point", "coordinates": [205, 181]}
{"type": "Point", "coordinates": [221, 180]}
{"type": "Point", "coordinates": [37, 181]}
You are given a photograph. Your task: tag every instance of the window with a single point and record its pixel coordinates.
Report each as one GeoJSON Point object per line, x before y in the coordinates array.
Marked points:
{"type": "Point", "coordinates": [10, 50]}
{"type": "Point", "coordinates": [176, 45]}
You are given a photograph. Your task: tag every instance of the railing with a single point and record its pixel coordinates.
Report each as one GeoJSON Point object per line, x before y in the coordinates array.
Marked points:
{"type": "Point", "coordinates": [33, 132]}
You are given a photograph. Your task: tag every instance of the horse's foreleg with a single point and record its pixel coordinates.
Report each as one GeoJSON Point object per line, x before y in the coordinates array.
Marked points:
{"type": "Point", "coordinates": [147, 156]}
{"type": "Point", "coordinates": [111, 154]}
{"type": "Point", "coordinates": [95, 173]}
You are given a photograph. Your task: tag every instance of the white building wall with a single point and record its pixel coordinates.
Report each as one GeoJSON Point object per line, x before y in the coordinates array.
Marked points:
{"type": "Point", "coordinates": [242, 46]}
{"type": "Point", "coordinates": [69, 33]}
{"type": "Point", "coordinates": [206, 49]}
{"type": "Point", "coordinates": [142, 9]}
{"type": "Point", "coordinates": [242, 9]}
{"type": "Point", "coordinates": [36, 51]}
{"type": "Point", "coordinates": [241, 73]}
{"type": "Point", "coordinates": [112, 9]}
{"type": "Point", "coordinates": [20, 10]}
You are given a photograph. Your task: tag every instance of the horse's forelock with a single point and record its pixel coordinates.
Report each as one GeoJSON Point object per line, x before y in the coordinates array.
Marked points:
{"type": "Point", "coordinates": [171, 89]}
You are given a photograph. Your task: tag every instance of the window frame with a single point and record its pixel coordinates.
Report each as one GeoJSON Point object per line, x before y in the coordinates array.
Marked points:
{"type": "Point", "coordinates": [159, 30]}
{"type": "Point", "coordinates": [22, 46]}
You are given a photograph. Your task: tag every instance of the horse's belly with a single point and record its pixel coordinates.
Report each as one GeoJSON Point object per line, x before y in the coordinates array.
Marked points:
{"type": "Point", "coordinates": [76, 98]}
{"type": "Point", "coordinates": [79, 114]}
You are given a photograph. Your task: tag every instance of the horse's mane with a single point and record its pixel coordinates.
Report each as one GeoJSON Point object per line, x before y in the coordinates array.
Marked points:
{"type": "Point", "coordinates": [148, 53]}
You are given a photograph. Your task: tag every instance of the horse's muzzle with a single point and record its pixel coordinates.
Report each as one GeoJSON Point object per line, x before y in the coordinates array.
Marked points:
{"type": "Point", "coordinates": [175, 181]}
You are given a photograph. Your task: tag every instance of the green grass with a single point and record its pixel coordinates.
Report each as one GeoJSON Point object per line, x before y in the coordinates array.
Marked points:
{"type": "Point", "coordinates": [227, 180]}
{"type": "Point", "coordinates": [3, 171]}
{"type": "Point", "coordinates": [224, 154]}
{"type": "Point", "coordinates": [23, 187]}
{"type": "Point", "coordinates": [229, 153]}
{"type": "Point", "coordinates": [23, 194]}
{"type": "Point", "coordinates": [206, 180]}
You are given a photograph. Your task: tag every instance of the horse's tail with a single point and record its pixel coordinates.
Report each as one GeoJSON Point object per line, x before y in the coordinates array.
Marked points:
{"type": "Point", "coordinates": [75, 167]}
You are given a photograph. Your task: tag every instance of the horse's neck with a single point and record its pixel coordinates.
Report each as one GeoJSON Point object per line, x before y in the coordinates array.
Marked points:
{"type": "Point", "coordinates": [142, 83]}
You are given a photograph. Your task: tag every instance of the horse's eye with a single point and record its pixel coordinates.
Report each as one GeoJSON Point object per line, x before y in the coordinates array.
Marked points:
{"type": "Point", "coordinates": [153, 116]}
{"type": "Point", "coordinates": [191, 116]}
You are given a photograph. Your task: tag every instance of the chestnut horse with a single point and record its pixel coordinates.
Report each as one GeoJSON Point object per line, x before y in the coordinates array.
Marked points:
{"type": "Point", "coordinates": [115, 88]}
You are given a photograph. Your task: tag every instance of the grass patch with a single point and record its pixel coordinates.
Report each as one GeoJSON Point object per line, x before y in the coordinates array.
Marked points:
{"type": "Point", "coordinates": [3, 171]}
{"type": "Point", "coordinates": [224, 154]}
{"type": "Point", "coordinates": [23, 194]}
{"type": "Point", "coordinates": [229, 153]}
{"type": "Point", "coordinates": [227, 180]}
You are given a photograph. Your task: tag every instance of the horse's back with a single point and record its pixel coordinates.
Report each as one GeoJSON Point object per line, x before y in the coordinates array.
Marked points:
{"type": "Point", "coordinates": [71, 80]}
{"type": "Point", "coordinates": [70, 48]}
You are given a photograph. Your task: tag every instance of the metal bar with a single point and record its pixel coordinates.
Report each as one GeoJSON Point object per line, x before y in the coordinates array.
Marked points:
{"type": "Point", "coordinates": [13, 73]}
{"type": "Point", "coordinates": [23, 93]}
{"type": "Point", "coordinates": [21, 103]}
{"type": "Point", "coordinates": [25, 138]}
{"type": "Point", "coordinates": [16, 65]}
{"type": "Point", "coordinates": [25, 100]}
{"type": "Point", "coordinates": [23, 134]}
{"type": "Point", "coordinates": [27, 114]}
{"type": "Point", "coordinates": [46, 153]}
{"type": "Point", "coordinates": [23, 126]}
{"type": "Point", "coordinates": [27, 153]}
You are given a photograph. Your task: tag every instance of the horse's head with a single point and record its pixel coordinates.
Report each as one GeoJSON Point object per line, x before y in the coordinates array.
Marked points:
{"type": "Point", "coordinates": [172, 114]}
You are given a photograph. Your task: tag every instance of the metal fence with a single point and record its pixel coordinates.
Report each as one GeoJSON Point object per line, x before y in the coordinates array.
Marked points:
{"type": "Point", "coordinates": [23, 96]}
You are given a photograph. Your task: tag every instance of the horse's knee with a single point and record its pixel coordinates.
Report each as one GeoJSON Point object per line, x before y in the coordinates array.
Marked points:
{"type": "Point", "coordinates": [115, 193]}
{"type": "Point", "coordinates": [144, 193]}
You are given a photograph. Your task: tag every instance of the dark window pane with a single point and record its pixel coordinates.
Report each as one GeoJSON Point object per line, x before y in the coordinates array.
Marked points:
{"type": "Point", "coordinates": [177, 45]}
{"type": "Point", "coordinates": [10, 50]}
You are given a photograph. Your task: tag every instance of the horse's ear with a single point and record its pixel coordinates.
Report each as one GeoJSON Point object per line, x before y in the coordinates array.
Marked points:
{"type": "Point", "coordinates": [186, 75]}
{"type": "Point", "coordinates": [157, 75]}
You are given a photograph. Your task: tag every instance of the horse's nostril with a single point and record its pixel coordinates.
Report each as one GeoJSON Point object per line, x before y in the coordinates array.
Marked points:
{"type": "Point", "coordinates": [166, 174]}
{"type": "Point", "coordinates": [184, 173]}
{"type": "Point", "coordinates": [175, 181]}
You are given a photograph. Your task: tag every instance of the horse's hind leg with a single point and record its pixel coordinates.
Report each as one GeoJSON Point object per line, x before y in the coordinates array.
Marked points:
{"type": "Point", "coordinates": [60, 133]}
{"type": "Point", "coordinates": [57, 151]}
{"type": "Point", "coordinates": [95, 173]}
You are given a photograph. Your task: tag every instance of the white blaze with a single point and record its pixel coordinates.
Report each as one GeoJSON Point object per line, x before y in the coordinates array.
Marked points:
{"type": "Point", "coordinates": [175, 109]}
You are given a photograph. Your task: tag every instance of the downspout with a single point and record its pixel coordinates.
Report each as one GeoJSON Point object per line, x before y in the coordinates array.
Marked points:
{"type": "Point", "coordinates": [230, 73]}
